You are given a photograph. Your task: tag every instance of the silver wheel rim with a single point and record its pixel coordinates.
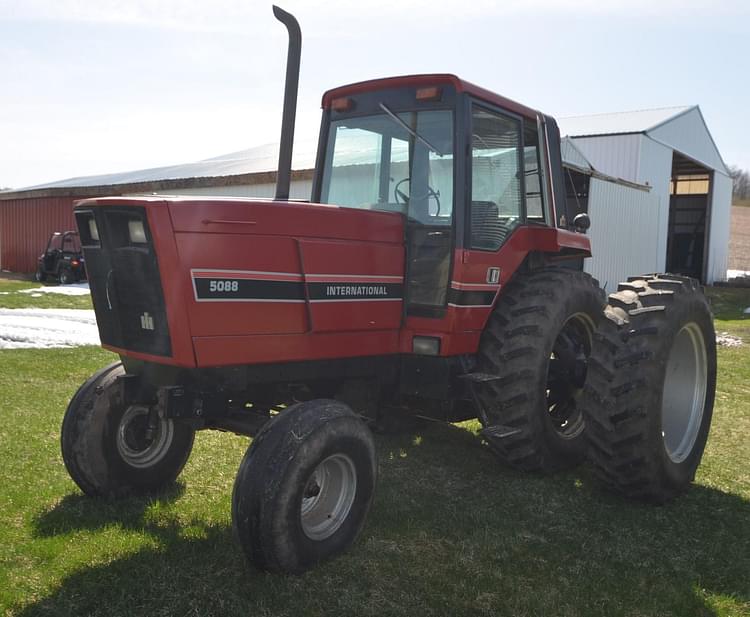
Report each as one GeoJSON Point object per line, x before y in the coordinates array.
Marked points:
{"type": "Point", "coordinates": [135, 446]}
{"type": "Point", "coordinates": [328, 497]}
{"type": "Point", "coordinates": [684, 396]}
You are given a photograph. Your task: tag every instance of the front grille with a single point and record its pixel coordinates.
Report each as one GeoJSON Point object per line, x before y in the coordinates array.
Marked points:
{"type": "Point", "coordinates": [125, 282]}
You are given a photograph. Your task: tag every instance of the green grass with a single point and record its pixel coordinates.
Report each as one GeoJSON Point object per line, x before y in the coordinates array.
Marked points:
{"type": "Point", "coordinates": [452, 532]}
{"type": "Point", "coordinates": [12, 296]}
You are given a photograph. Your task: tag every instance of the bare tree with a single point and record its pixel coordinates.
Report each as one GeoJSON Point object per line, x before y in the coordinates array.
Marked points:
{"type": "Point", "coordinates": [740, 182]}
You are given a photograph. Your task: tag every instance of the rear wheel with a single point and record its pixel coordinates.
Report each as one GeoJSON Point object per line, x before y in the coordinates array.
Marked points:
{"type": "Point", "coordinates": [305, 486]}
{"type": "Point", "coordinates": [39, 275]}
{"type": "Point", "coordinates": [534, 355]}
{"type": "Point", "coordinates": [65, 277]}
{"type": "Point", "coordinates": [649, 400]}
{"type": "Point", "coordinates": [112, 449]}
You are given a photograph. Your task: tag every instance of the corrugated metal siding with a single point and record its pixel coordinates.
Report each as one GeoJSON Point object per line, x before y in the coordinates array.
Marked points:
{"type": "Point", "coordinates": [718, 238]}
{"type": "Point", "coordinates": [689, 135]}
{"type": "Point", "coordinates": [614, 155]}
{"type": "Point", "coordinates": [298, 189]}
{"type": "Point", "coordinates": [623, 232]}
{"type": "Point", "coordinates": [25, 227]}
{"type": "Point", "coordinates": [655, 169]}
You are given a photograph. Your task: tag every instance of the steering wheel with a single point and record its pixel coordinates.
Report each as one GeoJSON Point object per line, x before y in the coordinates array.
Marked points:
{"type": "Point", "coordinates": [403, 198]}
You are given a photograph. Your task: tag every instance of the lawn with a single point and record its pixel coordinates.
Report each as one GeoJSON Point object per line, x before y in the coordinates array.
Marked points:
{"type": "Point", "coordinates": [12, 295]}
{"type": "Point", "coordinates": [452, 532]}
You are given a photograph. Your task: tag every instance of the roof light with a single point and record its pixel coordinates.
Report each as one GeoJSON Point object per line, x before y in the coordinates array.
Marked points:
{"type": "Point", "coordinates": [342, 104]}
{"type": "Point", "coordinates": [433, 93]}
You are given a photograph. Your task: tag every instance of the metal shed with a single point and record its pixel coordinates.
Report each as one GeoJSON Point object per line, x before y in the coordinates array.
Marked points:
{"type": "Point", "coordinates": [682, 224]}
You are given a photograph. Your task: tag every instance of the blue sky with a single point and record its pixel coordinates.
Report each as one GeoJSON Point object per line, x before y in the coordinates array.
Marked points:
{"type": "Point", "coordinates": [116, 85]}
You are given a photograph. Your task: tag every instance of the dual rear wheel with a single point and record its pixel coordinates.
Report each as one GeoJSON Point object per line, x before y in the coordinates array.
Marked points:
{"type": "Point", "coordinates": [629, 383]}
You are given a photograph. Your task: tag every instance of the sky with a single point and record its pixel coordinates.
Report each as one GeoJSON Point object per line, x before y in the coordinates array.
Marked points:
{"type": "Point", "coordinates": [90, 87]}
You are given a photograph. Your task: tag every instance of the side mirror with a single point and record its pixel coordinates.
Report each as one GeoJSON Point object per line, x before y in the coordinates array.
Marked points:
{"type": "Point", "coordinates": [581, 222]}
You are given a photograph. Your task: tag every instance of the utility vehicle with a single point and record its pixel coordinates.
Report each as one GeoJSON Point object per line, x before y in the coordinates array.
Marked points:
{"type": "Point", "coordinates": [436, 270]}
{"type": "Point", "coordinates": [62, 259]}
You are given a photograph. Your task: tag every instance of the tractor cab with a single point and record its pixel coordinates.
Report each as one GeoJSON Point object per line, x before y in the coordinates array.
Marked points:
{"type": "Point", "coordinates": [464, 166]}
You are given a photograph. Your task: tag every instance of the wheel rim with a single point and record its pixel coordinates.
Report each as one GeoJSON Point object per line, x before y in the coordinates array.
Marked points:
{"type": "Point", "coordinates": [139, 445]}
{"type": "Point", "coordinates": [566, 374]}
{"type": "Point", "coordinates": [328, 497]}
{"type": "Point", "coordinates": [684, 395]}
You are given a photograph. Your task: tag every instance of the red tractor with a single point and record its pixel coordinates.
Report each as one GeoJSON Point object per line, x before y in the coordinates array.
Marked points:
{"type": "Point", "coordinates": [436, 270]}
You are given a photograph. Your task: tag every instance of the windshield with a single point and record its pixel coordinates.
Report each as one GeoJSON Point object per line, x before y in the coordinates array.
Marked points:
{"type": "Point", "coordinates": [393, 161]}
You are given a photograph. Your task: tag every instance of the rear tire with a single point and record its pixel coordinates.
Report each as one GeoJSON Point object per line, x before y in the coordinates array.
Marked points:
{"type": "Point", "coordinates": [649, 398]}
{"type": "Point", "coordinates": [65, 277]}
{"type": "Point", "coordinates": [106, 447]}
{"type": "Point", "coordinates": [534, 351]}
{"type": "Point", "coordinates": [40, 276]}
{"type": "Point", "coordinates": [304, 487]}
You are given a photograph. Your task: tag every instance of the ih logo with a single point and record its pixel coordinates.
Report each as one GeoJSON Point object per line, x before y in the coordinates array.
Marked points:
{"type": "Point", "coordinates": [147, 322]}
{"type": "Point", "coordinates": [493, 275]}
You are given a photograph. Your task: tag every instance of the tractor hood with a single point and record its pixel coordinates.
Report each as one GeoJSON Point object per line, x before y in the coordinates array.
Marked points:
{"type": "Point", "coordinates": [216, 281]}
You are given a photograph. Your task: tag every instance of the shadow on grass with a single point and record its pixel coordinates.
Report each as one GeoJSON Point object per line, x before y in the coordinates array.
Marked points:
{"type": "Point", "coordinates": [76, 512]}
{"type": "Point", "coordinates": [451, 533]}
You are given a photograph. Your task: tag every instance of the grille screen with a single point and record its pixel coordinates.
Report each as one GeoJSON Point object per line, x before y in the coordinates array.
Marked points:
{"type": "Point", "coordinates": [125, 283]}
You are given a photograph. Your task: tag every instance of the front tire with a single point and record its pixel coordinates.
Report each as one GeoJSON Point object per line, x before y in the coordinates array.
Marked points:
{"type": "Point", "coordinates": [304, 487]}
{"type": "Point", "coordinates": [534, 351]}
{"type": "Point", "coordinates": [109, 449]}
{"type": "Point", "coordinates": [649, 400]}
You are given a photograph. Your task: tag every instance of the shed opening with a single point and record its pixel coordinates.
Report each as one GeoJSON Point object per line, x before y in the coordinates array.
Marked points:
{"type": "Point", "coordinates": [689, 216]}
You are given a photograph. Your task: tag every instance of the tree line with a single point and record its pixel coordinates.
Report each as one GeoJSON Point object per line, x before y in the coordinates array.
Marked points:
{"type": "Point", "coordinates": [740, 182]}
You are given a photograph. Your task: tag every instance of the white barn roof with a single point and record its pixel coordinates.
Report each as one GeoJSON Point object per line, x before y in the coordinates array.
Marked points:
{"type": "Point", "coordinates": [680, 128]}
{"type": "Point", "coordinates": [619, 122]}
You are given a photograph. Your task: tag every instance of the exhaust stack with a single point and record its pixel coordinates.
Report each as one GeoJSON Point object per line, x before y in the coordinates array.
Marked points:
{"type": "Point", "coordinates": [284, 174]}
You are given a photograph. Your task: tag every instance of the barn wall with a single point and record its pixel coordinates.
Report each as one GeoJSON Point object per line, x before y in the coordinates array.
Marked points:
{"type": "Point", "coordinates": [718, 234]}
{"type": "Point", "coordinates": [614, 155]}
{"type": "Point", "coordinates": [25, 228]}
{"type": "Point", "coordinates": [655, 169]}
{"type": "Point", "coordinates": [624, 227]}
{"type": "Point", "coordinates": [688, 134]}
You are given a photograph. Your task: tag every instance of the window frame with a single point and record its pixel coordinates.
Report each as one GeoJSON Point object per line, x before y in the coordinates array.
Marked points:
{"type": "Point", "coordinates": [469, 160]}
{"type": "Point", "coordinates": [325, 153]}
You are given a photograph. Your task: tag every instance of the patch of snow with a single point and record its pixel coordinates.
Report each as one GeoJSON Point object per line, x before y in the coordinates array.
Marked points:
{"type": "Point", "coordinates": [75, 289]}
{"type": "Point", "coordinates": [47, 328]}
{"type": "Point", "coordinates": [724, 339]}
{"type": "Point", "coordinates": [735, 274]}
{"type": "Point", "coordinates": [747, 311]}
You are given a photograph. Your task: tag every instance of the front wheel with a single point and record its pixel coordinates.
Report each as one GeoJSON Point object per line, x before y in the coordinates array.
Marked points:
{"type": "Point", "coordinates": [650, 395]}
{"type": "Point", "coordinates": [304, 487]}
{"type": "Point", "coordinates": [39, 275]}
{"type": "Point", "coordinates": [112, 449]}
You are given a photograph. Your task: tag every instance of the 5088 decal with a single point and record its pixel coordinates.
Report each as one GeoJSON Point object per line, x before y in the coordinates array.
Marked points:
{"type": "Point", "coordinates": [222, 285]}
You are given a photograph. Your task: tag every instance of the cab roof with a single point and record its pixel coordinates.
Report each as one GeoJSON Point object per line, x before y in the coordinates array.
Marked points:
{"type": "Point", "coordinates": [426, 80]}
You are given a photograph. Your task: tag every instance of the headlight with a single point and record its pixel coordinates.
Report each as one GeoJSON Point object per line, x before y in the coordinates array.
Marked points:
{"type": "Point", "coordinates": [136, 232]}
{"type": "Point", "coordinates": [93, 230]}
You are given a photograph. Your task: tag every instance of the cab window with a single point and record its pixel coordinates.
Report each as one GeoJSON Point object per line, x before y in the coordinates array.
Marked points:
{"type": "Point", "coordinates": [496, 183]}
